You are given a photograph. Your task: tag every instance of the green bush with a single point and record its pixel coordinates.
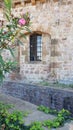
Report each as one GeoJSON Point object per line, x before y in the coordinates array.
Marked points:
{"type": "Point", "coordinates": [62, 117]}
{"type": "Point", "coordinates": [10, 34]}
{"type": "Point", "coordinates": [14, 120]}
{"type": "Point", "coordinates": [47, 110]}
{"type": "Point", "coordinates": [36, 126]}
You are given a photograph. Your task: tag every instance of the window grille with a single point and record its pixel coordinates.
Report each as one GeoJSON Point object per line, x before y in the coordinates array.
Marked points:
{"type": "Point", "coordinates": [35, 47]}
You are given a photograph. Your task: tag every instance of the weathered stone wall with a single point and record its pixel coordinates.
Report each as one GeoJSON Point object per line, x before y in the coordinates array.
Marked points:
{"type": "Point", "coordinates": [35, 71]}
{"type": "Point", "coordinates": [54, 98]}
{"type": "Point", "coordinates": [54, 19]}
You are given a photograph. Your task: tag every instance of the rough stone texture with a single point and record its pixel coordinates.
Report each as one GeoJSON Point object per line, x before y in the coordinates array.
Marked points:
{"type": "Point", "coordinates": [54, 20]}
{"type": "Point", "coordinates": [49, 96]}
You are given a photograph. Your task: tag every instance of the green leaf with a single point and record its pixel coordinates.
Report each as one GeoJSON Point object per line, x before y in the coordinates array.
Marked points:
{"type": "Point", "coordinates": [27, 29]}
{"type": "Point", "coordinates": [7, 16]}
{"type": "Point", "coordinates": [1, 75]}
{"type": "Point", "coordinates": [23, 35]}
{"type": "Point", "coordinates": [11, 51]}
{"type": "Point", "coordinates": [19, 42]}
{"type": "Point", "coordinates": [8, 5]}
{"type": "Point", "coordinates": [1, 60]}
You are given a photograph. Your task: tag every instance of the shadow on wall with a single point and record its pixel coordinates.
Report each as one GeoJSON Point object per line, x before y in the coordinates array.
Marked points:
{"type": "Point", "coordinates": [68, 103]}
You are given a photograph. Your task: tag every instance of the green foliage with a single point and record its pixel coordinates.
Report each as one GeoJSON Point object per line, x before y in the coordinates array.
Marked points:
{"type": "Point", "coordinates": [47, 110]}
{"type": "Point", "coordinates": [5, 66]}
{"type": "Point", "coordinates": [36, 126]}
{"type": "Point", "coordinates": [5, 106]}
{"type": "Point", "coordinates": [8, 5]}
{"type": "Point", "coordinates": [47, 123]}
{"type": "Point", "coordinates": [65, 114]}
{"type": "Point", "coordinates": [12, 121]}
{"type": "Point", "coordinates": [62, 117]}
{"type": "Point", "coordinates": [10, 34]}
{"type": "Point", "coordinates": [56, 84]}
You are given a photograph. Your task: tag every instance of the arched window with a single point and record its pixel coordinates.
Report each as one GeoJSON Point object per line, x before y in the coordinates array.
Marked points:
{"type": "Point", "coordinates": [35, 47]}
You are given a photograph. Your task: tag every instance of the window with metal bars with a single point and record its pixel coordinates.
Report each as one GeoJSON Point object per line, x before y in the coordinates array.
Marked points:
{"type": "Point", "coordinates": [36, 47]}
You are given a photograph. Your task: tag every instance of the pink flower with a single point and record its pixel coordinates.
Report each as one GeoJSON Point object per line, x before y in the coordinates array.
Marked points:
{"type": "Point", "coordinates": [22, 21]}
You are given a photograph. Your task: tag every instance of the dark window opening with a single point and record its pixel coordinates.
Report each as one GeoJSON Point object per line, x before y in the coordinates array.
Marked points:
{"type": "Point", "coordinates": [35, 47]}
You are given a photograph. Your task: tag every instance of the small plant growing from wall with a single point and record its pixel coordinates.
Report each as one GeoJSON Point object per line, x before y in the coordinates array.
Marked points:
{"type": "Point", "coordinates": [10, 34]}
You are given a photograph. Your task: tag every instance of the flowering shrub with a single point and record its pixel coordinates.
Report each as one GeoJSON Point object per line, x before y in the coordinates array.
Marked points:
{"type": "Point", "coordinates": [10, 35]}
{"type": "Point", "coordinates": [22, 21]}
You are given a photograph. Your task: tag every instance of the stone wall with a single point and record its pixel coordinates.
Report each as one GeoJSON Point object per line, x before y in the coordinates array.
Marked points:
{"type": "Point", "coordinates": [54, 98]}
{"type": "Point", "coordinates": [54, 19]}
{"type": "Point", "coordinates": [35, 71]}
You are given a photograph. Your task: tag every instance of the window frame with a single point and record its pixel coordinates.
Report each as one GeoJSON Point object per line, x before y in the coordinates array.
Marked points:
{"type": "Point", "coordinates": [35, 43]}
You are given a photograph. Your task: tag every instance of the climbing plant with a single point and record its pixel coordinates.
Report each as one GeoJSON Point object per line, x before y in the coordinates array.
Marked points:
{"type": "Point", "coordinates": [10, 34]}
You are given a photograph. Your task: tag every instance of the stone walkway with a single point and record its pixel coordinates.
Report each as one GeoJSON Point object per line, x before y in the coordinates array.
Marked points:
{"type": "Point", "coordinates": [34, 114]}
